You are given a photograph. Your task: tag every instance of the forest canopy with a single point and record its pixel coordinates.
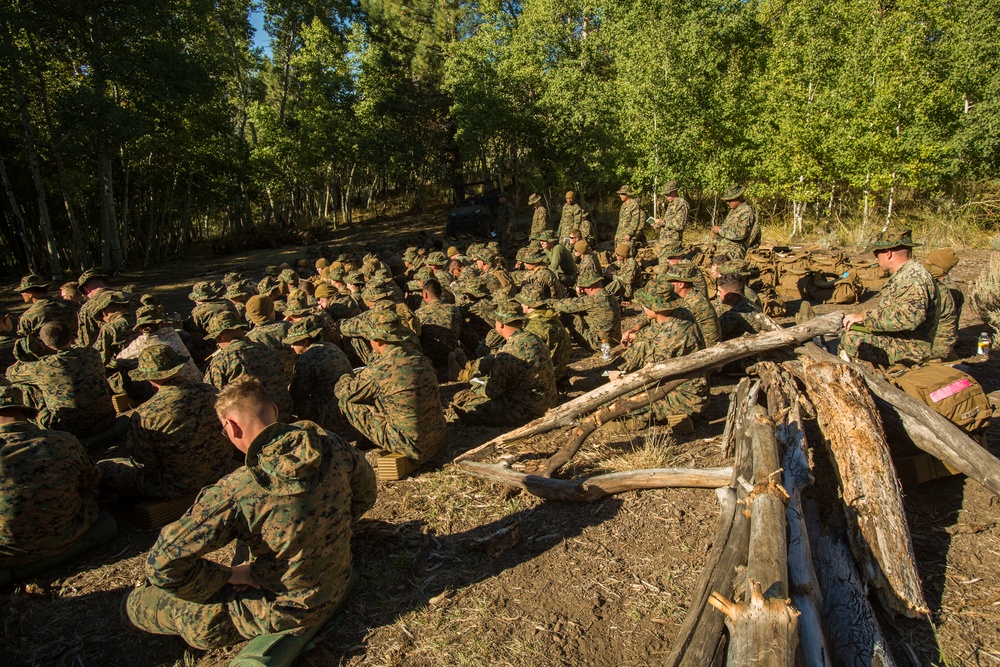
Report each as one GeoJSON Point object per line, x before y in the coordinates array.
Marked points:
{"type": "Point", "coordinates": [130, 128]}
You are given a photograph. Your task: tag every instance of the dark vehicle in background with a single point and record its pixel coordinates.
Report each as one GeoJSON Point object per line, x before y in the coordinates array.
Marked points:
{"type": "Point", "coordinates": [473, 209]}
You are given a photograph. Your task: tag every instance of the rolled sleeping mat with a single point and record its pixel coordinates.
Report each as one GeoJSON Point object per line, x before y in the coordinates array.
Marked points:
{"type": "Point", "coordinates": [103, 531]}
{"type": "Point", "coordinates": [284, 650]}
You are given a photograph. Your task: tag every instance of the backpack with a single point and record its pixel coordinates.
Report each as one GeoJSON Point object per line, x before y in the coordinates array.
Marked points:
{"type": "Point", "coordinates": [793, 284]}
{"type": "Point", "coordinates": [871, 274]}
{"type": "Point", "coordinates": [949, 392]}
{"type": "Point", "coordinates": [831, 288]}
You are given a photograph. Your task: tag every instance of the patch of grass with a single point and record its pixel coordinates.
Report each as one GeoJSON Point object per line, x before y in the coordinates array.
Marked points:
{"type": "Point", "coordinates": [985, 294]}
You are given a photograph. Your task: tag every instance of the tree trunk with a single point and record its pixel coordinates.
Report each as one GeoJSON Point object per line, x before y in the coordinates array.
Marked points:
{"type": "Point", "coordinates": [880, 536]}
{"type": "Point", "coordinates": [15, 208]}
{"type": "Point", "coordinates": [717, 355]}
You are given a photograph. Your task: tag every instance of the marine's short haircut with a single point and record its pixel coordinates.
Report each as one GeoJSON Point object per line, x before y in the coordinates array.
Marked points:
{"type": "Point", "coordinates": [730, 282]}
{"type": "Point", "coordinates": [246, 395]}
{"type": "Point", "coordinates": [57, 335]}
{"type": "Point", "coordinates": [720, 259]}
{"type": "Point", "coordinates": [433, 287]}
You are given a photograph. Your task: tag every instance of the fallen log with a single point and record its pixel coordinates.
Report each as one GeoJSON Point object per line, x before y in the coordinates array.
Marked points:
{"type": "Point", "coordinates": [699, 362]}
{"type": "Point", "coordinates": [603, 416]}
{"type": "Point", "coordinates": [763, 630]}
{"type": "Point", "coordinates": [591, 489]}
{"type": "Point", "coordinates": [878, 531]}
{"type": "Point", "coordinates": [783, 400]}
{"type": "Point", "coordinates": [700, 640]}
{"type": "Point", "coordinates": [929, 431]}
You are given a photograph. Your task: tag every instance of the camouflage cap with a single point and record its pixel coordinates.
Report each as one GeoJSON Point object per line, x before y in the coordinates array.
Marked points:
{"type": "Point", "coordinates": [532, 296]}
{"type": "Point", "coordinates": [684, 272]}
{"type": "Point", "coordinates": [894, 238]}
{"type": "Point", "coordinates": [149, 316]}
{"type": "Point", "coordinates": [534, 198]}
{"type": "Point", "coordinates": [158, 362]}
{"type": "Point", "coordinates": [531, 255]}
{"type": "Point", "coordinates": [670, 186]}
{"type": "Point", "coordinates": [676, 249]}
{"type": "Point", "coordinates": [108, 297]}
{"type": "Point", "coordinates": [623, 250]}
{"type": "Point", "coordinates": [375, 292]}
{"type": "Point", "coordinates": [284, 266]}
{"type": "Point", "coordinates": [336, 266]}
{"type": "Point", "coordinates": [325, 291]}
{"type": "Point", "coordinates": [307, 327]}
{"type": "Point", "coordinates": [272, 271]}
{"type": "Point", "coordinates": [734, 191]}
{"type": "Point", "coordinates": [205, 291]}
{"type": "Point", "coordinates": [476, 287]}
{"type": "Point", "coordinates": [232, 278]}
{"type": "Point", "coordinates": [383, 325]}
{"type": "Point", "coordinates": [336, 275]}
{"type": "Point", "coordinates": [289, 276]}
{"type": "Point", "coordinates": [33, 283]}
{"type": "Point", "coordinates": [241, 289]}
{"type": "Point", "coordinates": [734, 267]}
{"type": "Point", "coordinates": [547, 235]}
{"type": "Point", "coordinates": [940, 262]}
{"type": "Point", "coordinates": [91, 274]}
{"type": "Point", "coordinates": [589, 278]}
{"type": "Point", "coordinates": [354, 278]}
{"type": "Point", "coordinates": [625, 190]}
{"type": "Point", "coordinates": [223, 322]}
{"type": "Point", "coordinates": [581, 247]}
{"type": "Point", "coordinates": [343, 257]}
{"type": "Point", "coordinates": [297, 304]}
{"type": "Point", "coordinates": [437, 259]}
{"type": "Point", "coordinates": [509, 311]}
{"type": "Point", "coordinates": [661, 300]}
{"type": "Point", "coordinates": [11, 398]}
{"type": "Point", "coordinates": [410, 254]}
{"type": "Point", "coordinates": [260, 308]}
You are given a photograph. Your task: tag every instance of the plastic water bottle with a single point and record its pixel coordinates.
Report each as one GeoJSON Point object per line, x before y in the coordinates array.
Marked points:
{"type": "Point", "coordinates": [983, 349]}
{"type": "Point", "coordinates": [605, 351]}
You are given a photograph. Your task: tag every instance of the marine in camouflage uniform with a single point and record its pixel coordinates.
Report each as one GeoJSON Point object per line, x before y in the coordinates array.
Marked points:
{"type": "Point", "coordinates": [293, 505]}
{"type": "Point", "coordinates": [394, 401]}
{"type": "Point", "coordinates": [516, 384]}
{"type": "Point", "coordinates": [118, 329]}
{"type": "Point", "coordinates": [546, 324]}
{"type": "Point", "coordinates": [318, 367]}
{"type": "Point", "coordinates": [571, 218]}
{"type": "Point", "coordinates": [902, 327]}
{"type": "Point", "coordinates": [695, 304]}
{"type": "Point", "coordinates": [737, 315]}
{"type": "Point", "coordinates": [673, 218]}
{"type": "Point", "coordinates": [208, 303]}
{"type": "Point", "coordinates": [504, 224]}
{"type": "Point", "coordinates": [48, 486]}
{"type": "Point", "coordinates": [238, 357]}
{"type": "Point", "coordinates": [667, 337]}
{"type": "Point", "coordinates": [536, 273]}
{"type": "Point", "coordinates": [739, 232]}
{"type": "Point", "coordinates": [624, 274]}
{"type": "Point", "coordinates": [629, 218]}
{"type": "Point", "coordinates": [43, 308]}
{"type": "Point", "coordinates": [440, 325]}
{"type": "Point", "coordinates": [173, 440]}
{"type": "Point", "coordinates": [539, 217]}
{"type": "Point", "coordinates": [268, 331]}
{"type": "Point", "coordinates": [558, 258]}
{"type": "Point", "coordinates": [596, 315]}
{"type": "Point", "coordinates": [478, 311]}
{"type": "Point", "coordinates": [89, 320]}
{"type": "Point", "coordinates": [68, 386]}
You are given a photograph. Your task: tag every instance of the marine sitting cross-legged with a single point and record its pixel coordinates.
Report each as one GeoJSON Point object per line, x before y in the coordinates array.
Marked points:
{"type": "Point", "coordinates": [293, 505]}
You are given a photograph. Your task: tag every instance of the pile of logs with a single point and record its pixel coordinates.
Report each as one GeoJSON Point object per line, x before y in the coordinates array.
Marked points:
{"type": "Point", "coordinates": [780, 585]}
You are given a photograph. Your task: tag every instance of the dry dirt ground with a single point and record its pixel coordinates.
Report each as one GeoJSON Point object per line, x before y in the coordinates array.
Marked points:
{"type": "Point", "coordinates": [456, 571]}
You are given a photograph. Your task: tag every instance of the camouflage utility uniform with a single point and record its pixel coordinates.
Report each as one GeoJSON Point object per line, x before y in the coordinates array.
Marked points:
{"type": "Point", "coordinates": [89, 319]}
{"type": "Point", "coordinates": [271, 334]}
{"type": "Point", "coordinates": [629, 222]}
{"type": "Point", "coordinates": [440, 330]}
{"type": "Point", "coordinates": [519, 384]}
{"type": "Point", "coordinates": [174, 443]}
{"type": "Point", "coordinates": [703, 314]}
{"type": "Point", "coordinates": [395, 403]}
{"type": "Point", "coordinates": [539, 220]}
{"type": "Point", "coordinates": [293, 505]}
{"type": "Point", "coordinates": [244, 357]}
{"type": "Point", "coordinates": [674, 216]}
{"type": "Point", "coordinates": [597, 318]}
{"type": "Point", "coordinates": [48, 492]}
{"type": "Point", "coordinates": [316, 372]}
{"type": "Point", "coordinates": [572, 218]}
{"type": "Point", "coordinates": [626, 280]}
{"type": "Point", "coordinates": [738, 319]}
{"type": "Point", "coordinates": [903, 325]}
{"type": "Point", "coordinates": [545, 324]}
{"type": "Point", "coordinates": [70, 390]}
{"type": "Point", "coordinates": [739, 232]}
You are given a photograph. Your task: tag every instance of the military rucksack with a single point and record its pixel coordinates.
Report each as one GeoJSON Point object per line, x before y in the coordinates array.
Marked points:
{"type": "Point", "coordinates": [871, 274]}
{"type": "Point", "coordinates": [949, 392]}
{"type": "Point", "coordinates": [793, 283]}
{"type": "Point", "coordinates": [832, 288]}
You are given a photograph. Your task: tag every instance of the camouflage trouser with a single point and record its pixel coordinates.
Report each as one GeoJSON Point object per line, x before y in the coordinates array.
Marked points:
{"type": "Point", "coordinates": [377, 427]}
{"type": "Point", "coordinates": [481, 410]}
{"type": "Point", "coordinates": [668, 239]}
{"type": "Point", "coordinates": [690, 399]}
{"type": "Point", "coordinates": [583, 334]}
{"type": "Point", "coordinates": [123, 477]}
{"type": "Point", "coordinates": [202, 625]}
{"type": "Point", "coordinates": [729, 248]}
{"type": "Point", "coordinates": [883, 349]}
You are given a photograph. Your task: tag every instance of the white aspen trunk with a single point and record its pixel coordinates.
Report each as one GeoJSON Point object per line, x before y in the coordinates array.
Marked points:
{"type": "Point", "coordinates": [892, 197]}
